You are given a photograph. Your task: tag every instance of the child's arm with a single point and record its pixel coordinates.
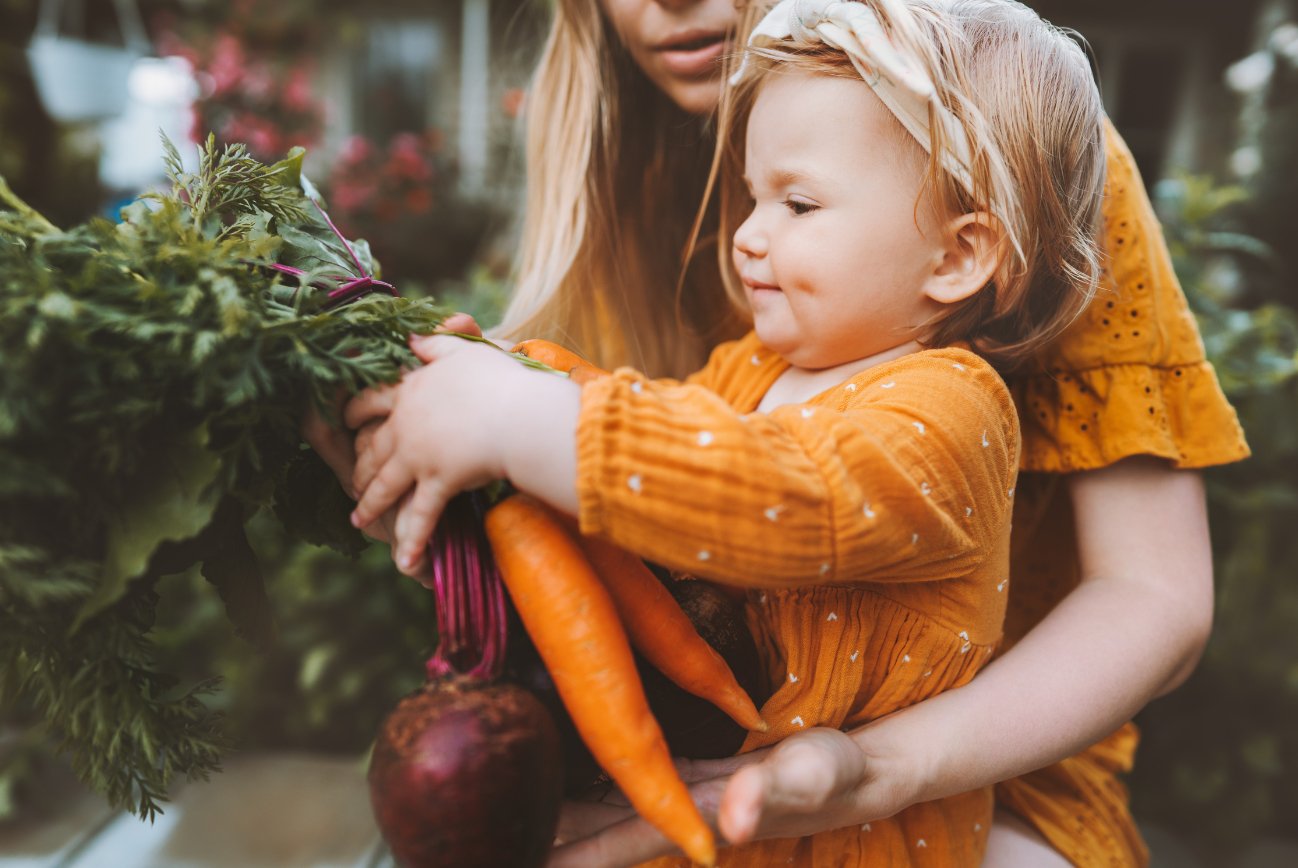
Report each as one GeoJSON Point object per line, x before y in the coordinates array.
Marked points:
{"type": "Point", "coordinates": [905, 476]}
{"type": "Point", "coordinates": [906, 483]}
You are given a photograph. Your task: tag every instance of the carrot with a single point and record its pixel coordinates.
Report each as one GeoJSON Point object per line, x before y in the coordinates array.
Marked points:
{"type": "Point", "coordinates": [574, 625]}
{"type": "Point", "coordinates": [583, 374]}
{"type": "Point", "coordinates": [550, 353]}
{"type": "Point", "coordinates": [661, 631]}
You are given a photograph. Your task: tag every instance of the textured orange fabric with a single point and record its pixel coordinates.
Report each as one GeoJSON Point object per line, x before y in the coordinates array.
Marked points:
{"type": "Point", "coordinates": [1128, 378]}
{"type": "Point", "coordinates": [870, 525]}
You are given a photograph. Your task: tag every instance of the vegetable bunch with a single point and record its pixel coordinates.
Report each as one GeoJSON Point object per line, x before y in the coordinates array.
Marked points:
{"type": "Point", "coordinates": [466, 771]}
{"type": "Point", "coordinates": [153, 374]}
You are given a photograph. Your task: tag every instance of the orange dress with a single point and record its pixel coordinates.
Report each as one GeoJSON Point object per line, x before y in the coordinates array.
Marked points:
{"type": "Point", "coordinates": [870, 524]}
{"type": "Point", "coordinates": [1128, 378]}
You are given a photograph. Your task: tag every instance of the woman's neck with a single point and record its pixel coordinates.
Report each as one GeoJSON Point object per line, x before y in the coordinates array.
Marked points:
{"type": "Point", "coordinates": [797, 385]}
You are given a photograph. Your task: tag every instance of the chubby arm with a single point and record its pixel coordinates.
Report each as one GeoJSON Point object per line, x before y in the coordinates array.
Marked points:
{"type": "Point", "coordinates": [903, 474]}
{"type": "Point", "coordinates": [1131, 631]}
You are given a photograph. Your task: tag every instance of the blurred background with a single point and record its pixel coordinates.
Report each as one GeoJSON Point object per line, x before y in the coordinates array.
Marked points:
{"type": "Point", "coordinates": [410, 112]}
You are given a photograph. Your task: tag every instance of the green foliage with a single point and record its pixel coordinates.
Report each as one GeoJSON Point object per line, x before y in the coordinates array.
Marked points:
{"type": "Point", "coordinates": [152, 378]}
{"type": "Point", "coordinates": [352, 638]}
{"type": "Point", "coordinates": [1219, 761]}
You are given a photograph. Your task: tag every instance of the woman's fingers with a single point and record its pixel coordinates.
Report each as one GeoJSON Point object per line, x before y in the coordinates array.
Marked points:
{"type": "Point", "coordinates": [628, 842]}
{"type": "Point", "coordinates": [698, 770]}
{"type": "Point", "coordinates": [461, 323]}
{"type": "Point", "coordinates": [430, 348]}
{"type": "Point", "coordinates": [581, 819]}
{"type": "Point", "coordinates": [371, 404]}
{"type": "Point", "coordinates": [333, 445]}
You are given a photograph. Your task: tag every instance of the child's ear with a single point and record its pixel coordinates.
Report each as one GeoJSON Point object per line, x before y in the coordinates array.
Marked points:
{"type": "Point", "coordinates": [974, 245]}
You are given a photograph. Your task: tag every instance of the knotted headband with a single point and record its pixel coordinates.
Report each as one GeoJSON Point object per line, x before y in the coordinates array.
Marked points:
{"type": "Point", "coordinates": [896, 75]}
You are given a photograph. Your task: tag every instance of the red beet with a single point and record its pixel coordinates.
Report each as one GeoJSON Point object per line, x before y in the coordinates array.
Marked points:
{"type": "Point", "coordinates": [466, 771]}
{"type": "Point", "coordinates": [467, 774]}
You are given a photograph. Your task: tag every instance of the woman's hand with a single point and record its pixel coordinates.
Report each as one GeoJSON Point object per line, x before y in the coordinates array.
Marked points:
{"type": "Point", "coordinates": [810, 782]}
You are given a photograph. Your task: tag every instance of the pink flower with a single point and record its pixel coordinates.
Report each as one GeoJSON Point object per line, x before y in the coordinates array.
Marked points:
{"type": "Point", "coordinates": [297, 92]}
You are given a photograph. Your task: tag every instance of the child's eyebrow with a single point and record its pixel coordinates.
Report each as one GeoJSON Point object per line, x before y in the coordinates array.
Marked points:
{"type": "Point", "coordinates": [783, 177]}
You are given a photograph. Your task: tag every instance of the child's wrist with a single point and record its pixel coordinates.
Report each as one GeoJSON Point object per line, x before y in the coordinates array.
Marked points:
{"type": "Point", "coordinates": [538, 454]}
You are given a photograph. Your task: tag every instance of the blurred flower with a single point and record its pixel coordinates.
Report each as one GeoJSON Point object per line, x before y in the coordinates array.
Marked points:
{"type": "Point", "coordinates": [371, 188]}
{"type": "Point", "coordinates": [255, 92]}
{"type": "Point", "coordinates": [1252, 73]}
{"type": "Point", "coordinates": [511, 102]}
{"type": "Point", "coordinates": [1284, 42]}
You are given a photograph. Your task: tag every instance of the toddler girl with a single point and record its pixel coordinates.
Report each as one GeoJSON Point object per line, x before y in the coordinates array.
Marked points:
{"type": "Point", "coordinates": [912, 187]}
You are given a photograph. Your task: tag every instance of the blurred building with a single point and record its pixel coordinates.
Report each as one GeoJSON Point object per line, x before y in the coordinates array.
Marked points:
{"type": "Point", "coordinates": [1162, 67]}
{"type": "Point", "coordinates": [458, 66]}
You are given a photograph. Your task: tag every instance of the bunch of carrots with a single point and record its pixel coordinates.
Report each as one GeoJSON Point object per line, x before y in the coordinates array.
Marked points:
{"type": "Point", "coordinates": [465, 771]}
{"type": "Point", "coordinates": [586, 603]}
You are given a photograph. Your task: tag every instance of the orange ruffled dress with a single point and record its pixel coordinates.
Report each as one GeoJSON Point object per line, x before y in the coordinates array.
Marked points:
{"type": "Point", "coordinates": [1129, 378]}
{"type": "Point", "coordinates": [871, 525]}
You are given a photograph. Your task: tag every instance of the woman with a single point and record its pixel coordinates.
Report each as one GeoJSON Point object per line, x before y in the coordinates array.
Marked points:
{"type": "Point", "coordinates": [1111, 588]}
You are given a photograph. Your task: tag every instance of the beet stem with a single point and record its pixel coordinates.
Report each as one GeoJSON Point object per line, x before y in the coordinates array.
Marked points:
{"type": "Point", "coordinates": [471, 620]}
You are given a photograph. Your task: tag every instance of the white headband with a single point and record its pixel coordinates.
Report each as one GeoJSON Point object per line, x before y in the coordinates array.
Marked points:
{"type": "Point", "coordinates": [897, 77]}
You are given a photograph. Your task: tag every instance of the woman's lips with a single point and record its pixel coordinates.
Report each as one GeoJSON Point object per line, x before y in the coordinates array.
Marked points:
{"type": "Point", "coordinates": [694, 54]}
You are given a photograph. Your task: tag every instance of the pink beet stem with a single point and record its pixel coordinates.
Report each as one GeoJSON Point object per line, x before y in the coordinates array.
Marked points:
{"type": "Point", "coordinates": [470, 602]}
{"type": "Point", "coordinates": [360, 268]}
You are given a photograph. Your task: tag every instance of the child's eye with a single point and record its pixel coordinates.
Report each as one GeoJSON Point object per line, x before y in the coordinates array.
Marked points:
{"type": "Point", "coordinates": [799, 208]}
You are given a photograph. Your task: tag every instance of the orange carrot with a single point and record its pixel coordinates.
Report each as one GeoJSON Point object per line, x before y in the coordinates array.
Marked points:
{"type": "Point", "coordinates": [583, 374]}
{"type": "Point", "coordinates": [550, 353]}
{"type": "Point", "coordinates": [575, 627]}
{"type": "Point", "coordinates": [561, 359]}
{"type": "Point", "coordinates": [661, 631]}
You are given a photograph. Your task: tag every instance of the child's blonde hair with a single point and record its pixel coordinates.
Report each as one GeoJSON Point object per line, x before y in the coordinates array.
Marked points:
{"type": "Point", "coordinates": [615, 174]}
{"type": "Point", "coordinates": [1023, 92]}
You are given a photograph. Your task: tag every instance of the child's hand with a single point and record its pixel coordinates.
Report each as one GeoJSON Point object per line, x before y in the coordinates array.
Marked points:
{"type": "Point", "coordinates": [443, 433]}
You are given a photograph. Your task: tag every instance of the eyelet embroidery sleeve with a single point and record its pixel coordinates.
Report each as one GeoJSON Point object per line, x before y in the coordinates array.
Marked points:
{"type": "Point", "coordinates": [1130, 377]}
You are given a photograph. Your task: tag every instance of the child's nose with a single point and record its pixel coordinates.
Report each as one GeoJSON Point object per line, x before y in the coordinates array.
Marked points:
{"type": "Point", "coordinates": [749, 238]}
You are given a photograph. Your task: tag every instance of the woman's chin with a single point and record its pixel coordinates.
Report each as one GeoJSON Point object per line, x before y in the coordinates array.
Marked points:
{"type": "Point", "coordinates": [694, 96]}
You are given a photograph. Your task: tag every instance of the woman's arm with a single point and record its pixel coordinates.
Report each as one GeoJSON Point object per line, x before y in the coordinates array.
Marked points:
{"type": "Point", "coordinates": [1132, 630]}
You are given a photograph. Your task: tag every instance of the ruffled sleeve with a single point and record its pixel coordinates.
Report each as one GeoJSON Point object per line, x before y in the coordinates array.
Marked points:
{"type": "Point", "coordinates": [1130, 377]}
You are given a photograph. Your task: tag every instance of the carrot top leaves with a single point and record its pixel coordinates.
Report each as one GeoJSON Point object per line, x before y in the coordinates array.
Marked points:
{"type": "Point", "coordinates": [153, 373]}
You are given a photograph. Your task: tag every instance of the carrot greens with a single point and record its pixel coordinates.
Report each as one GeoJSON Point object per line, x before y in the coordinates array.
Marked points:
{"type": "Point", "coordinates": [153, 375]}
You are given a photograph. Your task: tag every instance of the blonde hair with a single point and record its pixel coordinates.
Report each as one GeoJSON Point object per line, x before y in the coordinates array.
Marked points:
{"type": "Point", "coordinates": [615, 175]}
{"type": "Point", "coordinates": [1023, 92]}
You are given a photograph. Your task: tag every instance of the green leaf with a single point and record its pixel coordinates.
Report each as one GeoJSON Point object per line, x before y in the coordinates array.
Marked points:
{"type": "Point", "coordinates": [288, 171]}
{"type": "Point", "coordinates": [174, 501]}
{"type": "Point", "coordinates": [232, 568]}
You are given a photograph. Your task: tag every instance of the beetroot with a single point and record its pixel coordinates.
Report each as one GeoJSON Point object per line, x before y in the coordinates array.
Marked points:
{"type": "Point", "coordinates": [467, 774]}
{"type": "Point", "coordinates": [526, 669]}
{"type": "Point", "coordinates": [466, 771]}
{"type": "Point", "coordinates": [694, 727]}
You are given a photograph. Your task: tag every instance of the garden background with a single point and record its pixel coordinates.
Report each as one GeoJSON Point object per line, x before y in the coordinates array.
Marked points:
{"type": "Point", "coordinates": [410, 113]}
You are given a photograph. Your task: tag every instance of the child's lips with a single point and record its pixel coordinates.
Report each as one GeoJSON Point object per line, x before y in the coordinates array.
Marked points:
{"type": "Point", "coordinates": [758, 285]}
